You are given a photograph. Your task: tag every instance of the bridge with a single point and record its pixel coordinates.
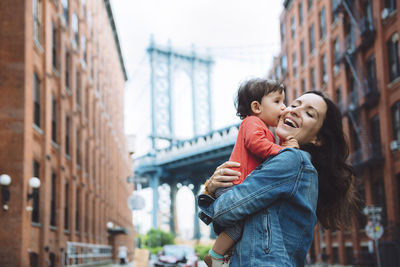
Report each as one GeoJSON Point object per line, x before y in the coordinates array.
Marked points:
{"type": "Point", "coordinates": [186, 162]}
{"type": "Point", "coordinates": [173, 160]}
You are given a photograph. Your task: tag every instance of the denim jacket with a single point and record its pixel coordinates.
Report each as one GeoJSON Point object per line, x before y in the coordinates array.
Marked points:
{"type": "Point", "coordinates": [277, 202]}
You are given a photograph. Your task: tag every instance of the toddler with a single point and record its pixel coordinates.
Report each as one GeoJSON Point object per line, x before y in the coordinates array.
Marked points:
{"type": "Point", "coordinates": [259, 103]}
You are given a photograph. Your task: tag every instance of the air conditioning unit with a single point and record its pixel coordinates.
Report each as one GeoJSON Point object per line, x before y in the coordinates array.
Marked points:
{"type": "Point", "coordinates": [385, 13]}
{"type": "Point", "coordinates": [395, 145]}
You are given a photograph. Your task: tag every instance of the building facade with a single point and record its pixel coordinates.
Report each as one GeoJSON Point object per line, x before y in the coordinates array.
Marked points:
{"type": "Point", "coordinates": [349, 49]}
{"type": "Point", "coordinates": [62, 80]}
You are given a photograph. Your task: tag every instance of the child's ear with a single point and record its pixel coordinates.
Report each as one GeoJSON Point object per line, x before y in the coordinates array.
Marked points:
{"type": "Point", "coordinates": [255, 107]}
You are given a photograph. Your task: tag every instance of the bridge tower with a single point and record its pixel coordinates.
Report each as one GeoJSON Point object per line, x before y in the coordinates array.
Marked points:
{"type": "Point", "coordinates": [165, 63]}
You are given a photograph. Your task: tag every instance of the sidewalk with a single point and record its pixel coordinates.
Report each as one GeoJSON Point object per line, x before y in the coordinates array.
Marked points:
{"type": "Point", "coordinates": [131, 264]}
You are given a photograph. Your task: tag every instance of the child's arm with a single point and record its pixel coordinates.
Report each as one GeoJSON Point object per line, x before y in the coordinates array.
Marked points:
{"type": "Point", "coordinates": [257, 140]}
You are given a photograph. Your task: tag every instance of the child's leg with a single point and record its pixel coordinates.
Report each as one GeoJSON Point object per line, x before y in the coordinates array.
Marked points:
{"type": "Point", "coordinates": [223, 244]}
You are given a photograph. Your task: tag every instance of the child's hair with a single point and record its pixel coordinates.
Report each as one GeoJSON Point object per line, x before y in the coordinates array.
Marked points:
{"type": "Point", "coordinates": [254, 90]}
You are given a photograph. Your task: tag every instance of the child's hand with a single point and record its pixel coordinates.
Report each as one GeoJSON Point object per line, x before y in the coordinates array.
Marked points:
{"type": "Point", "coordinates": [290, 142]}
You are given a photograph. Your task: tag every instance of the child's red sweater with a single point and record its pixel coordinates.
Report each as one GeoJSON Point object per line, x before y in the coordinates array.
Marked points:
{"type": "Point", "coordinates": [254, 143]}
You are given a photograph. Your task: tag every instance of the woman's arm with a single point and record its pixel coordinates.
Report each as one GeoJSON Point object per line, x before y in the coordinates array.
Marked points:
{"type": "Point", "coordinates": [276, 178]}
{"type": "Point", "coordinates": [222, 177]}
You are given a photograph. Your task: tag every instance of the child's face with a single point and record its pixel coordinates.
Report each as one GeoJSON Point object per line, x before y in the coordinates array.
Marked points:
{"type": "Point", "coordinates": [271, 107]}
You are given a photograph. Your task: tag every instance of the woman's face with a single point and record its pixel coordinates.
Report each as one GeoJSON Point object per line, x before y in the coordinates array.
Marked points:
{"type": "Point", "coordinates": [303, 119]}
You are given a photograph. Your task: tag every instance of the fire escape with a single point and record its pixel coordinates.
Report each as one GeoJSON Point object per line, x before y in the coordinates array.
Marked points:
{"type": "Point", "coordinates": [363, 93]}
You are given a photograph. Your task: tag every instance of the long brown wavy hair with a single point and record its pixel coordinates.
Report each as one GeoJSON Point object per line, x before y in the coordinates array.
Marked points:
{"type": "Point", "coordinates": [337, 199]}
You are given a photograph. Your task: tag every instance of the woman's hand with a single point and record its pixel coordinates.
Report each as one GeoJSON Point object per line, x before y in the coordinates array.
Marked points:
{"type": "Point", "coordinates": [223, 176]}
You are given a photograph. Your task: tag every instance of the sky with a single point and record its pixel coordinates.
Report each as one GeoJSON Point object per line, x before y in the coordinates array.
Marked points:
{"type": "Point", "coordinates": [241, 36]}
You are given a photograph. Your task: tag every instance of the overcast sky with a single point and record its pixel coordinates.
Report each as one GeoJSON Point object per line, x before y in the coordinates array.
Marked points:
{"type": "Point", "coordinates": [241, 36]}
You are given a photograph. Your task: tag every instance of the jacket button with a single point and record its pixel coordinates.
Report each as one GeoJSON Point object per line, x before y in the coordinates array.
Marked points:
{"type": "Point", "coordinates": [267, 250]}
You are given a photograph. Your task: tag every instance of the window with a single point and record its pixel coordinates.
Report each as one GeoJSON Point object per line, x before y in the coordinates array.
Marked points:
{"type": "Point", "coordinates": [77, 210]}
{"type": "Point", "coordinates": [67, 71]}
{"type": "Point", "coordinates": [293, 27]}
{"type": "Point", "coordinates": [87, 213]}
{"type": "Point", "coordinates": [371, 74]}
{"type": "Point", "coordinates": [396, 121]}
{"type": "Point", "coordinates": [283, 64]}
{"type": "Point", "coordinates": [322, 23]}
{"type": "Point", "coordinates": [311, 35]}
{"type": "Point", "coordinates": [356, 144]}
{"type": "Point", "coordinates": [53, 198]}
{"type": "Point", "coordinates": [335, 254]}
{"type": "Point", "coordinates": [94, 217]}
{"type": "Point", "coordinates": [303, 86]}
{"type": "Point", "coordinates": [353, 91]}
{"type": "Point", "coordinates": [393, 56]}
{"type": "Point", "coordinates": [83, 44]}
{"type": "Point", "coordinates": [323, 69]}
{"type": "Point", "coordinates": [294, 64]}
{"type": "Point", "coordinates": [277, 72]}
{"type": "Point", "coordinates": [67, 134]}
{"type": "Point", "coordinates": [75, 28]}
{"type": "Point", "coordinates": [310, 4]}
{"type": "Point", "coordinates": [78, 154]}
{"type": "Point", "coordinates": [313, 81]}
{"type": "Point", "coordinates": [65, 10]}
{"type": "Point", "coordinates": [33, 259]}
{"type": "Point", "coordinates": [335, 9]}
{"type": "Point", "coordinates": [375, 136]}
{"type": "Point", "coordinates": [350, 37]}
{"type": "Point", "coordinates": [302, 52]}
{"type": "Point", "coordinates": [52, 259]}
{"type": "Point", "coordinates": [349, 255]}
{"type": "Point", "coordinates": [54, 46]}
{"type": "Point", "coordinates": [36, 100]}
{"type": "Point", "coordinates": [83, 8]}
{"type": "Point", "coordinates": [336, 51]}
{"type": "Point", "coordinates": [390, 4]}
{"type": "Point", "coordinates": [369, 22]}
{"type": "Point", "coordinates": [66, 208]}
{"type": "Point", "coordinates": [398, 190]}
{"type": "Point", "coordinates": [35, 193]}
{"type": "Point", "coordinates": [282, 32]}
{"type": "Point", "coordinates": [301, 13]}
{"type": "Point", "coordinates": [78, 88]}
{"type": "Point", "coordinates": [339, 98]}
{"type": "Point", "coordinates": [37, 15]}
{"type": "Point", "coordinates": [87, 157]}
{"type": "Point", "coordinates": [54, 119]}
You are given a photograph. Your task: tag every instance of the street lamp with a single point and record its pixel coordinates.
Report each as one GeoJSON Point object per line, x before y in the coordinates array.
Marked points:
{"type": "Point", "coordinates": [110, 225]}
{"type": "Point", "coordinates": [34, 182]}
{"type": "Point", "coordinates": [5, 181]}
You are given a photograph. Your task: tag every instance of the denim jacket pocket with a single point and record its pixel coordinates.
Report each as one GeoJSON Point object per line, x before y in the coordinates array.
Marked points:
{"type": "Point", "coordinates": [266, 236]}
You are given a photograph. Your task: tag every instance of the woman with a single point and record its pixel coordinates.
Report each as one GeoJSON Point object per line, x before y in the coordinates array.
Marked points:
{"type": "Point", "coordinates": [282, 199]}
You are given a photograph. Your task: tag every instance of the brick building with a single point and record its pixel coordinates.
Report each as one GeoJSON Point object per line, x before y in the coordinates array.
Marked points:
{"type": "Point", "coordinates": [349, 49]}
{"type": "Point", "coordinates": [62, 80]}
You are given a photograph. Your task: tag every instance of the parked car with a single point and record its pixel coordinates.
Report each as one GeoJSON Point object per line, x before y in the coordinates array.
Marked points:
{"type": "Point", "coordinates": [177, 256]}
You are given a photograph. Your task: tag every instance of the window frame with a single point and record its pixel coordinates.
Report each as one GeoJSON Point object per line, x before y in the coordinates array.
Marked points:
{"type": "Point", "coordinates": [395, 113]}
{"type": "Point", "coordinates": [322, 23]}
{"type": "Point", "coordinates": [36, 100]}
{"type": "Point", "coordinates": [37, 25]}
{"type": "Point", "coordinates": [392, 46]}
{"type": "Point", "coordinates": [311, 36]}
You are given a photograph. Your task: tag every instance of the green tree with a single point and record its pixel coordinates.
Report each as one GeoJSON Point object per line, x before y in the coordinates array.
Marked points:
{"type": "Point", "coordinates": [155, 239]}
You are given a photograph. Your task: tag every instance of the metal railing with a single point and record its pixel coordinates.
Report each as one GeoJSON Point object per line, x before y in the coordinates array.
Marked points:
{"type": "Point", "coordinates": [84, 254]}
